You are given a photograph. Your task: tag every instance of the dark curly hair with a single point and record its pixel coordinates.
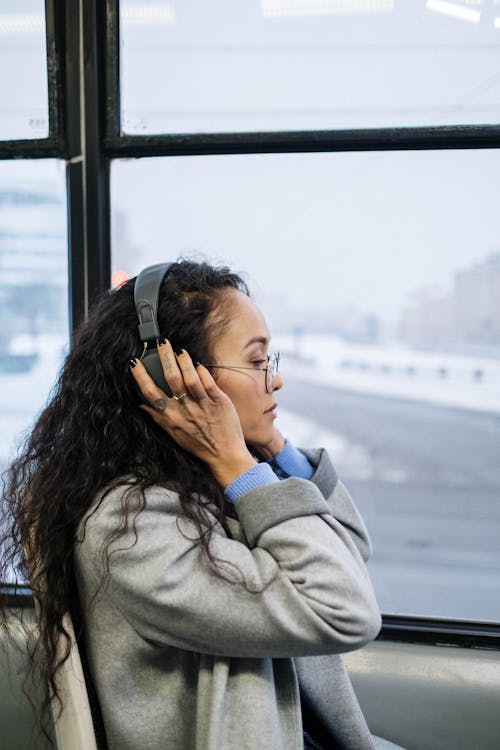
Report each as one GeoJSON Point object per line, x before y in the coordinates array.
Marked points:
{"type": "Point", "coordinates": [90, 435]}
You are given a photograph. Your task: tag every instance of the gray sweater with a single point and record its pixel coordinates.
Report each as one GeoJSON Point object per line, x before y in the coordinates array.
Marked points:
{"type": "Point", "coordinates": [181, 660]}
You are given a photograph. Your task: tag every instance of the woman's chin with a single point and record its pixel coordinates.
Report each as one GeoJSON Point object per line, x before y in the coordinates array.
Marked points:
{"type": "Point", "coordinates": [260, 438]}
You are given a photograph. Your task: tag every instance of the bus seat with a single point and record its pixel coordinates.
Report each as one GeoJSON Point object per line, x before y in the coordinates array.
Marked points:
{"type": "Point", "coordinates": [73, 725]}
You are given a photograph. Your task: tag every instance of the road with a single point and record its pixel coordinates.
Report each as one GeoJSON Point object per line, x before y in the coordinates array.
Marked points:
{"type": "Point", "coordinates": [431, 497]}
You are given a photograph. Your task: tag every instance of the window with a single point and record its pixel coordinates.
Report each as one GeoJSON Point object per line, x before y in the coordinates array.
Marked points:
{"type": "Point", "coordinates": [378, 276]}
{"type": "Point", "coordinates": [307, 65]}
{"type": "Point", "coordinates": [33, 208]}
{"type": "Point", "coordinates": [33, 246]}
{"type": "Point", "coordinates": [23, 87]}
{"type": "Point", "coordinates": [344, 155]}
{"type": "Point", "coordinates": [33, 290]}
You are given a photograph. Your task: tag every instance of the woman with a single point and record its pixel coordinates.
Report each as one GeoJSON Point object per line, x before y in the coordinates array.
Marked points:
{"type": "Point", "coordinates": [210, 565]}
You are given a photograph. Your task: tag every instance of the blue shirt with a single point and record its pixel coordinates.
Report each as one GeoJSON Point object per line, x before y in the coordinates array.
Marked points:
{"type": "Point", "coordinates": [289, 462]}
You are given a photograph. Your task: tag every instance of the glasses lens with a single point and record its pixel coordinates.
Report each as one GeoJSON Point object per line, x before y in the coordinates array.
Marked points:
{"type": "Point", "coordinates": [272, 369]}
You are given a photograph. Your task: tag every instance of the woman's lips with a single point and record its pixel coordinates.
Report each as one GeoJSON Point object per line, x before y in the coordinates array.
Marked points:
{"type": "Point", "coordinates": [272, 409]}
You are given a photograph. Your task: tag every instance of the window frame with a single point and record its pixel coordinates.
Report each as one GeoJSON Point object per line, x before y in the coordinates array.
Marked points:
{"type": "Point", "coordinates": [83, 67]}
{"type": "Point", "coordinates": [52, 145]}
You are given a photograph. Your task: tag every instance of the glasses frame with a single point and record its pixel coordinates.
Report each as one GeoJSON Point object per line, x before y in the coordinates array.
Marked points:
{"type": "Point", "coordinates": [271, 370]}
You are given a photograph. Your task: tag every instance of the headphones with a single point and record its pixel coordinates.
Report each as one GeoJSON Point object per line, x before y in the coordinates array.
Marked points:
{"type": "Point", "coordinates": [146, 295]}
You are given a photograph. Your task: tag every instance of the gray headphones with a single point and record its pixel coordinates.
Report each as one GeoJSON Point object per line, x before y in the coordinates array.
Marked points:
{"type": "Point", "coordinates": [146, 295]}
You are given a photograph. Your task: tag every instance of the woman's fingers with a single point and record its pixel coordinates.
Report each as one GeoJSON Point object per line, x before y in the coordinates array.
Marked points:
{"type": "Point", "coordinates": [171, 371]}
{"type": "Point", "coordinates": [148, 387]}
{"type": "Point", "coordinates": [191, 377]}
{"type": "Point", "coordinates": [182, 377]}
{"type": "Point", "coordinates": [209, 384]}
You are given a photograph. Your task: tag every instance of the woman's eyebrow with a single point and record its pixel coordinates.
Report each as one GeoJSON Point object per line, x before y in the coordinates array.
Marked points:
{"type": "Point", "coordinates": [257, 340]}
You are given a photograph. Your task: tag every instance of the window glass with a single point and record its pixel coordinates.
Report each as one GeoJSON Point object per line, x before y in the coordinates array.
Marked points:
{"type": "Point", "coordinates": [193, 66]}
{"type": "Point", "coordinates": [33, 292]}
{"type": "Point", "coordinates": [379, 274]}
{"type": "Point", "coordinates": [23, 85]}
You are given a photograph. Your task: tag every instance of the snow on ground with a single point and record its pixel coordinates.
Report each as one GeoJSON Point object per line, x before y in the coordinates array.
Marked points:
{"type": "Point", "coordinates": [393, 371]}
{"type": "Point", "coordinates": [352, 460]}
{"type": "Point", "coordinates": [23, 395]}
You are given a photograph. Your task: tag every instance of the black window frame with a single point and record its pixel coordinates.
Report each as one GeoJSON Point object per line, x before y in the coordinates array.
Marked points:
{"type": "Point", "coordinates": [85, 130]}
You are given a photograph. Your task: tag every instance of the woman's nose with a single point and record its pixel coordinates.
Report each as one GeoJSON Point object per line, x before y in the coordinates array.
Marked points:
{"type": "Point", "coordinates": [278, 382]}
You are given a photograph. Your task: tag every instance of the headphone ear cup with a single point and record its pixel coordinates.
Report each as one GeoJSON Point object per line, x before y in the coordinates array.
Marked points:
{"type": "Point", "coordinates": [152, 363]}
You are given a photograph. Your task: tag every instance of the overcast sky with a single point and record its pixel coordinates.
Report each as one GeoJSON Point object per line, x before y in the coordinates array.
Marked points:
{"type": "Point", "coordinates": [362, 229]}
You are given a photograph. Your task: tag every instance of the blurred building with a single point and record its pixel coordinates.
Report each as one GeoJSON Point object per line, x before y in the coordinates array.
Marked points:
{"type": "Point", "coordinates": [349, 322]}
{"type": "Point", "coordinates": [33, 263]}
{"type": "Point", "coordinates": [476, 303]}
{"type": "Point", "coordinates": [468, 315]}
{"type": "Point", "coordinates": [426, 322]}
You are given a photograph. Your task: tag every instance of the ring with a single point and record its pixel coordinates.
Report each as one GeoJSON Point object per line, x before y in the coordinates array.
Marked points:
{"type": "Point", "coordinates": [182, 395]}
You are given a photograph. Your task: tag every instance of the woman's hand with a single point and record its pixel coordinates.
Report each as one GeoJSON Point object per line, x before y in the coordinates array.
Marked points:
{"type": "Point", "coordinates": [272, 448]}
{"type": "Point", "coordinates": [204, 422]}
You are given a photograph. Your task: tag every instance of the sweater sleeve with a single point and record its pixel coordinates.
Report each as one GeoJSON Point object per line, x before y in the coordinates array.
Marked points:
{"type": "Point", "coordinates": [306, 590]}
{"type": "Point", "coordinates": [255, 476]}
{"type": "Point", "coordinates": [290, 462]}
{"type": "Point", "coordinates": [339, 500]}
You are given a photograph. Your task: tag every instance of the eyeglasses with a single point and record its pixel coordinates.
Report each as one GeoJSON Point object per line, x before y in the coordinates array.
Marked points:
{"type": "Point", "coordinates": [271, 369]}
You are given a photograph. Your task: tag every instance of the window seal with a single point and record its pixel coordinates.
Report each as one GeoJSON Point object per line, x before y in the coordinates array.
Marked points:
{"type": "Point", "coordinates": [31, 148]}
{"type": "Point", "coordinates": [16, 597]}
{"type": "Point", "coordinates": [380, 139]}
{"type": "Point", "coordinates": [82, 38]}
{"type": "Point", "coordinates": [112, 128]}
{"type": "Point", "coordinates": [54, 83]}
{"type": "Point", "coordinates": [440, 631]}
{"type": "Point", "coordinates": [52, 145]}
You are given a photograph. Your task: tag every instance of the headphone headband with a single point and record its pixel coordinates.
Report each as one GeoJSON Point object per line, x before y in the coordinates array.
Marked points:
{"type": "Point", "coordinates": [146, 295]}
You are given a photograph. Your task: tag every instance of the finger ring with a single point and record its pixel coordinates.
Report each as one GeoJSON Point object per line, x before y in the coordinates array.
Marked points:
{"type": "Point", "coordinates": [182, 395]}
{"type": "Point", "coordinates": [160, 404]}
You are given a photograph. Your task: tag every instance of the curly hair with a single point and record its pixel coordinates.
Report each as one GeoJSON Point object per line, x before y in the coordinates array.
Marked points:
{"type": "Point", "coordinates": [90, 435]}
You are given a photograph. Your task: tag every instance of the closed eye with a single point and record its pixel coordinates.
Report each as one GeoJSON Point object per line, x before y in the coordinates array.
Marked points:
{"type": "Point", "coordinates": [259, 362]}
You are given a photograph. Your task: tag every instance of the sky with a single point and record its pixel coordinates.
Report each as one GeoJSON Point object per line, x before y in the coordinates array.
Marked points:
{"type": "Point", "coordinates": [323, 229]}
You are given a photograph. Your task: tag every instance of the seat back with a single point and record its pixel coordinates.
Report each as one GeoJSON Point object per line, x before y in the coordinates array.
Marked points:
{"type": "Point", "coordinates": [73, 725]}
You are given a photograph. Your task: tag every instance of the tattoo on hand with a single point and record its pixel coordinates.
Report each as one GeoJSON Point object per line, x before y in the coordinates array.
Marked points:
{"type": "Point", "coordinates": [205, 433]}
{"type": "Point", "coordinates": [160, 404]}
